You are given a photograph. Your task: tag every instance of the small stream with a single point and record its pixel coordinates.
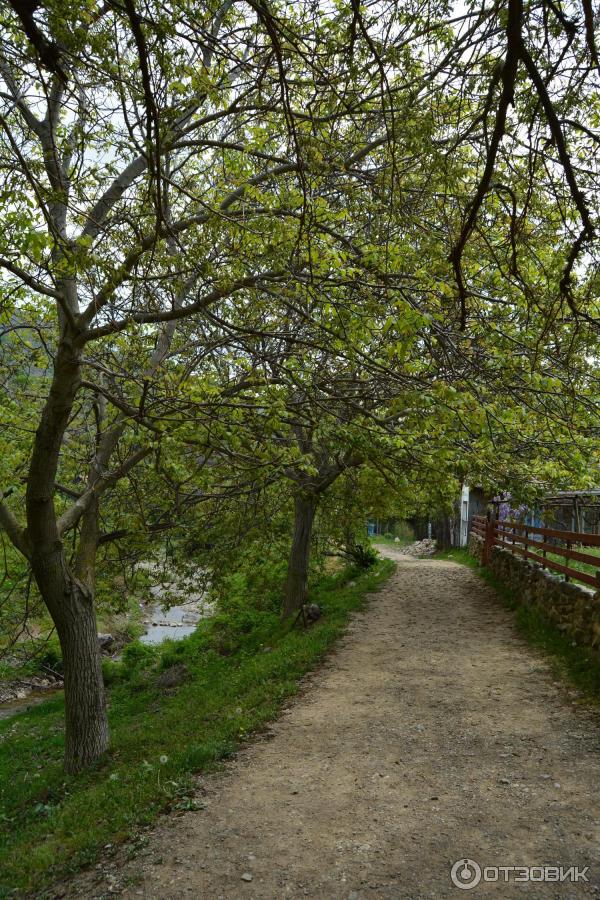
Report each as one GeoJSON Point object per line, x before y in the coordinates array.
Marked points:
{"type": "Point", "coordinates": [173, 623]}
{"type": "Point", "coordinates": [187, 606]}
{"type": "Point", "coordinates": [11, 707]}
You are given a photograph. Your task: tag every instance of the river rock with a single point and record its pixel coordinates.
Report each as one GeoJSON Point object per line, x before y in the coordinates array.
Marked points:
{"type": "Point", "coordinates": [8, 692]}
{"type": "Point", "coordinates": [105, 641]}
{"type": "Point", "coordinates": [312, 612]}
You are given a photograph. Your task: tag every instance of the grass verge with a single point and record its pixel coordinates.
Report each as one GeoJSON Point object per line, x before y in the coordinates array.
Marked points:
{"type": "Point", "coordinates": [570, 662]}
{"type": "Point", "coordinates": [460, 555]}
{"type": "Point", "coordinates": [239, 670]}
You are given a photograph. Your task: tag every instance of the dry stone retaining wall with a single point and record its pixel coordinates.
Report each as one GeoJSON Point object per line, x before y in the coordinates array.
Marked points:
{"type": "Point", "coordinates": [574, 608]}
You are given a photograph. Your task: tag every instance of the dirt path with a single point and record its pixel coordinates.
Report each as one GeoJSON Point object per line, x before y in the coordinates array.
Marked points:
{"type": "Point", "coordinates": [433, 733]}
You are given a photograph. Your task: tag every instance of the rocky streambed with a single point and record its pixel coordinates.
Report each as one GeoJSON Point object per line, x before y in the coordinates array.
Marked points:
{"type": "Point", "coordinates": [22, 693]}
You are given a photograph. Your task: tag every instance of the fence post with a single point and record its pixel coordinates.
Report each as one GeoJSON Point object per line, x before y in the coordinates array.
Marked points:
{"type": "Point", "coordinates": [488, 541]}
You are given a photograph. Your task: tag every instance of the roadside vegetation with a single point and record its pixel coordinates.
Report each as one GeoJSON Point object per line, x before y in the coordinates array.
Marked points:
{"type": "Point", "coordinates": [236, 670]}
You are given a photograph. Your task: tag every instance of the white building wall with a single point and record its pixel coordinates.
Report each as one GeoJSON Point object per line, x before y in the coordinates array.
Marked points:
{"type": "Point", "coordinates": [464, 515]}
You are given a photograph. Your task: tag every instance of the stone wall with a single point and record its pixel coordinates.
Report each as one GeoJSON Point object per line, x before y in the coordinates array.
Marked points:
{"type": "Point", "coordinates": [574, 608]}
{"type": "Point", "coordinates": [475, 546]}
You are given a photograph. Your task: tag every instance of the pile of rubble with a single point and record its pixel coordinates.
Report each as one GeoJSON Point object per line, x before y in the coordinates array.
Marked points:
{"type": "Point", "coordinates": [426, 547]}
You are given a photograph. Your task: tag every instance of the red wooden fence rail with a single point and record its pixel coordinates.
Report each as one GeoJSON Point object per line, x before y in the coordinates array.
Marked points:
{"type": "Point", "coordinates": [530, 542]}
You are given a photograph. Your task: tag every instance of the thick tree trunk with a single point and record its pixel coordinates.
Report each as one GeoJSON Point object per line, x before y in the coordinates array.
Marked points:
{"type": "Point", "coordinates": [69, 601]}
{"type": "Point", "coordinates": [296, 588]}
{"type": "Point", "coordinates": [72, 609]}
{"type": "Point", "coordinates": [87, 733]}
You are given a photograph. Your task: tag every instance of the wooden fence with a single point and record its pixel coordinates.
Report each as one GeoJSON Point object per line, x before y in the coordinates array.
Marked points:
{"type": "Point", "coordinates": [529, 542]}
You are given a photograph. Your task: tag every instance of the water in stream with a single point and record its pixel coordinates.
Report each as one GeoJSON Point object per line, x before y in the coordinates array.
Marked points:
{"type": "Point", "coordinates": [12, 707]}
{"type": "Point", "coordinates": [173, 623]}
{"type": "Point", "coordinates": [189, 605]}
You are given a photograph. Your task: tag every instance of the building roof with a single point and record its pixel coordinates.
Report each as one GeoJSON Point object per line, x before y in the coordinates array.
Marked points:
{"type": "Point", "coordinates": [593, 495]}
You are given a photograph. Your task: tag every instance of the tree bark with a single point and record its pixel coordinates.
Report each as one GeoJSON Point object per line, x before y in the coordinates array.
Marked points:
{"type": "Point", "coordinates": [89, 538]}
{"type": "Point", "coordinates": [69, 600]}
{"type": "Point", "coordinates": [71, 606]}
{"type": "Point", "coordinates": [296, 588]}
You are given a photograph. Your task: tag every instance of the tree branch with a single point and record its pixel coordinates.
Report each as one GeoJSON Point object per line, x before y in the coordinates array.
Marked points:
{"type": "Point", "coordinates": [47, 50]}
{"type": "Point", "coordinates": [12, 528]}
{"type": "Point", "coordinates": [509, 75]}
{"type": "Point", "coordinates": [139, 165]}
{"type": "Point", "coordinates": [70, 518]}
{"type": "Point", "coordinates": [17, 96]}
{"type": "Point", "coordinates": [559, 139]}
{"type": "Point", "coordinates": [28, 279]}
{"type": "Point", "coordinates": [180, 312]}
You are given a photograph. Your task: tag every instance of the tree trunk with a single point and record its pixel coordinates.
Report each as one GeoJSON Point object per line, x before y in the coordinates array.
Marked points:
{"type": "Point", "coordinates": [69, 601]}
{"type": "Point", "coordinates": [87, 733]}
{"type": "Point", "coordinates": [89, 536]}
{"type": "Point", "coordinates": [72, 609]}
{"type": "Point", "coordinates": [296, 588]}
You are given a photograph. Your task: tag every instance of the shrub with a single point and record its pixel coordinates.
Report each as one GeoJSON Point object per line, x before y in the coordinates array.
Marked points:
{"type": "Point", "coordinates": [363, 556]}
{"type": "Point", "coordinates": [112, 671]}
{"type": "Point", "coordinates": [255, 583]}
{"type": "Point", "coordinates": [135, 655]}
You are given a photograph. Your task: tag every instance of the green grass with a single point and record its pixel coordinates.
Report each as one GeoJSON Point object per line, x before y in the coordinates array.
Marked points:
{"type": "Point", "coordinates": [575, 563]}
{"type": "Point", "coordinates": [574, 664]}
{"type": "Point", "coordinates": [459, 555]}
{"type": "Point", "coordinates": [241, 670]}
